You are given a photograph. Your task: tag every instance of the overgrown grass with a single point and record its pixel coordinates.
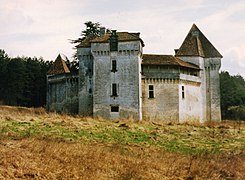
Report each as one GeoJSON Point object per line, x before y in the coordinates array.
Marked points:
{"type": "Point", "coordinates": [40, 145]}
{"type": "Point", "coordinates": [178, 138]}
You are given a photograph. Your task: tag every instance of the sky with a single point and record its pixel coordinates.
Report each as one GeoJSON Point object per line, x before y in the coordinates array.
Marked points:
{"type": "Point", "coordinates": [44, 28]}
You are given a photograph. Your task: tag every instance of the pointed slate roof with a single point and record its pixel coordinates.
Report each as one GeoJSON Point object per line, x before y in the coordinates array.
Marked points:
{"type": "Point", "coordinates": [155, 59]}
{"type": "Point", "coordinates": [59, 67]}
{"type": "Point", "coordinates": [196, 44]}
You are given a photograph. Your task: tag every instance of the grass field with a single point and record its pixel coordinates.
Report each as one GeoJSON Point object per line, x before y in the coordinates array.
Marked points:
{"type": "Point", "coordinates": [40, 145]}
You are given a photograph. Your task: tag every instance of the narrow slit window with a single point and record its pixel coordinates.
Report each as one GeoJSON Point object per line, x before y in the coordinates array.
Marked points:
{"type": "Point", "coordinates": [114, 108]}
{"type": "Point", "coordinates": [113, 66]}
{"type": "Point", "coordinates": [114, 89]}
{"type": "Point", "coordinates": [183, 92]}
{"type": "Point", "coordinates": [151, 91]}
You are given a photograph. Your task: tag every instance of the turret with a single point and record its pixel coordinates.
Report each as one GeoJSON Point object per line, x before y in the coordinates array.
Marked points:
{"type": "Point", "coordinates": [197, 49]}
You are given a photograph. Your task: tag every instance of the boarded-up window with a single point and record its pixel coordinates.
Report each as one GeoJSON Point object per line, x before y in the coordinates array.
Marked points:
{"type": "Point", "coordinates": [151, 91]}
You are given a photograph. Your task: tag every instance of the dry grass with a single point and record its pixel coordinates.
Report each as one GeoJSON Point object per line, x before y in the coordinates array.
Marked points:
{"type": "Point", "coordinates": [56, 159]}
{"type": "Point", "coordinates": [40, 145]}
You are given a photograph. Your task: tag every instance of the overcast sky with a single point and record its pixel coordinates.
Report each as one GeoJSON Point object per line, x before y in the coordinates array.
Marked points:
{"type": "Point", "coordinates": [44, 27]}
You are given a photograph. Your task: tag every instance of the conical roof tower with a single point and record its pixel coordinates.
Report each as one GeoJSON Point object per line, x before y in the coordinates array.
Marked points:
{"type": "Point", "coordinates": [59, 67]}
{"type": "Point", "coordinates": [196, 44]}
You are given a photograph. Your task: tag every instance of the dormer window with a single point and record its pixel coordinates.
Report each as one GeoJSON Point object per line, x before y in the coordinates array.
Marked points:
{"type": "Point", "coordinates": [113, 41]}
{"type": "Point", "coordinates": [195, 33]}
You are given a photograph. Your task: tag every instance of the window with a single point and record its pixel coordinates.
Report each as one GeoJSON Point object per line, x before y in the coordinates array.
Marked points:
{"type": "Point", "coordinates": [113, 66]}
{"type": "Point", "coordinates": [90, 90]}
{"type": "Point", "coordinates": [114, 108]}
{"type": "Point", "coordinates": [183, 92]}
{"type": "Point", "coordinates": [114, 89]}
{"type": "Point", "coordinates": [151, 91]}
{"type": "Point", "coordinates": [113, 41]}
{"type": "Point", "coordinates": [113, 45]}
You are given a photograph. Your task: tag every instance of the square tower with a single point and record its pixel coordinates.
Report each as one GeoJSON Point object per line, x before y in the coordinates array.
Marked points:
{"type": "Point", "coordinates": [197, 49]}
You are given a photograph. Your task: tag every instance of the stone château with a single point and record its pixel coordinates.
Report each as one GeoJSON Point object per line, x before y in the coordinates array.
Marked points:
{"type": "Point", "coordinates": [116, 80]}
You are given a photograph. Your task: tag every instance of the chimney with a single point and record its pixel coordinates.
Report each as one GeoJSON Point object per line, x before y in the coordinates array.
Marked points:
{"type": "Point", "coordinates": [102, 31]}
{"type": "Point", "coordinates": [176, 51]}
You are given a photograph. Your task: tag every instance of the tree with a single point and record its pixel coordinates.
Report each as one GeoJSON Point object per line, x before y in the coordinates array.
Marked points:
{"type": "Point", "coordinates": [4, 60]}
{"type": "Point", "coordinates": [23, 80]}
{"type": "Point", "coordinates": [232, 91]}
{"type": "Point", "coordinates": [16, 74]}
{"type": "Point", "coordinates": [92, 30]}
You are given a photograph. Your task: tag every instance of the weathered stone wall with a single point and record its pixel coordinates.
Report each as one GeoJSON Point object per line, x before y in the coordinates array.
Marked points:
{"type": "Point", "coordinates": [199, 62]}
{"type": "Point", "coordinates": [127, 78]}
{"type": "Point", "coordinates": [165, 104]}
{"type": "Point", "coordinates": [210, 86]}
{"type": "Point", "coordinates": [85, 84]}
{"type": "Point", "coordinates": [62, 93]}
{"type": "Point", "coordinates": [190, 98]}
{"type": "Point", "coordinates": [212, 66]}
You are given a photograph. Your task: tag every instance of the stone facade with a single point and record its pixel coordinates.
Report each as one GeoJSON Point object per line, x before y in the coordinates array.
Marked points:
{"type": "Point", "coordinates": [116, 80]}
{"type": "Point", "coordinates": [62, 89]}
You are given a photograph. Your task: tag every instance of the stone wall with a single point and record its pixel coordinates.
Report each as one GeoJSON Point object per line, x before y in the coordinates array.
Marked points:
{"type": "Point", "coordinates": [126, 77]}
{"type": "Point", "coordinates": [85, 84]}
{"type": "Point", "coordinates": [210, 86]}
{"type": "Point", "coordinates": [190, 99]}
{"type": "Point", "coordinates": [165, 104]}
{"type": "Point", "coordinates": [212, 66]}
{"type": "Point", "coordinates": [62, 93]}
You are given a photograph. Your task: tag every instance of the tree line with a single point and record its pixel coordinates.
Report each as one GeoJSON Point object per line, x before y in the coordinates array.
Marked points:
{"type": "Point", "coordinates": [232, 91]}
{"type": "Point", "coordinates": [23, 83]}
{"type": "Point", "coordinates": [23, 80]}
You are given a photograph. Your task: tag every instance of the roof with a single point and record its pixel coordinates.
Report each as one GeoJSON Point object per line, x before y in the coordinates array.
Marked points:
{"type": "Point", "coordinates": [86, 42]}
{"type": "Point", "coordinates": [59, 67]}
{"type": "Point", "coordinates": [122, 37]}
{"type": "Point", "coordinates": [154, 59]}
{"type": "Point", "coordinates": [196, 44]}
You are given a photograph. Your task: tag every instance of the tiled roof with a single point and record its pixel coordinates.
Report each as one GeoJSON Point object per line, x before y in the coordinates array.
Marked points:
{"type": "Point", "coordinates": [59, 67]}
{"type": "Point", "coordinates": [86, 42]}
{"type": "Point", "coordinates": [196, 44]}
{"type": "Point", "coordinates": [122, 36]}
{"type": "Point", "coordinates": [153, 59]}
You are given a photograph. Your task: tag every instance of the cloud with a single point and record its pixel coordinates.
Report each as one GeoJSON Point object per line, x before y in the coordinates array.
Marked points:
{"type": "Point", "coordinates": [42, 28]}
{"type": "Point", "coordinates": [239, 55]}
{"type": "Point", "coordinates": [13, 20]}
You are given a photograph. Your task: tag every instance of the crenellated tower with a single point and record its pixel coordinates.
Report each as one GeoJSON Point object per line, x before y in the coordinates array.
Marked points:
{"type": "Point", "coordinates": [198, 50]}
{"type": "Point", "coordinates": [85, 84]}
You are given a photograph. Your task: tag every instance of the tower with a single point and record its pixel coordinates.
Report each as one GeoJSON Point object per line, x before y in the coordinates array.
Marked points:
{"type": "Point", "coordinates": [61, 88]}
{"type": "Point", "coordinates": [85, 84]}
{"type": "Point", "coordinates": [117, 75]}
{"type": "Point", "coordinates": [197, 49]}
